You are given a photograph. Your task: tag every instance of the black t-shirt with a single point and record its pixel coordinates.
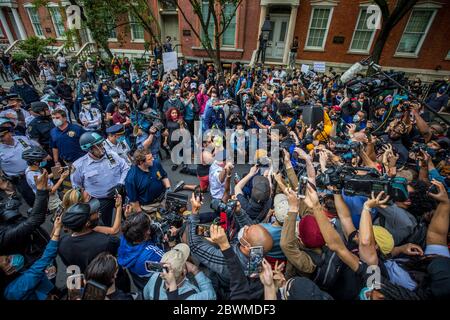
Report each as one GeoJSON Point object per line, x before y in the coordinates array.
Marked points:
{"type": "Point", "coordinates": [120, 295]}
{"type": "Point", "coordinates": [83, 249]}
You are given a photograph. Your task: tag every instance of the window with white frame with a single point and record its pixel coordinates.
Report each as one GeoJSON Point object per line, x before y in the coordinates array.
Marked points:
{"type": "Point", "coordinates": [229, 36]}
{"type": "Point", "coordinates": [363, 36]}
{"type": "Point", "coordinates": [35, 22]}
{"type": "Point", "coordinates": [58, 21]}
{"type": "Point", "coordinates": [137, 31]}
{"type": "Point", "coordinates": [205, 13]}
{"type": "Point", "coordinates": [415, 32]}
{"type": "Point", "coordinates": [111, 25]}
{"type": "Point", "coordinates": [318, 27]}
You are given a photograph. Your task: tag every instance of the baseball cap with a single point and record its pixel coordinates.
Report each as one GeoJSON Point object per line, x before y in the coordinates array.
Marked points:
{"type": "Point", "coordinates": [281, 207]}
{"type": "Point", "coordinates": [261, 189]}
{"type": "Point", "coordinates": [177, 257]}
{"type": "Point", "coordinates": [78, 214]}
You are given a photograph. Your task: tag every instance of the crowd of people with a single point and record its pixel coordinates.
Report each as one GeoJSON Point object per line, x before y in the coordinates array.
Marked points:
{"type": "Point", "coordinates": [351, 204]}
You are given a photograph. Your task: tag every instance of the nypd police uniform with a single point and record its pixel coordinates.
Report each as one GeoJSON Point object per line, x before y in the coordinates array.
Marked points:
{"type": "Point", "coordinates": [97, 177]}
{"type": "Point", "coordinates": [13, 166]}
{"type": "Point", "coordinates": [121, 147]}
{"type": "Point", "coordinates": [93, 116]}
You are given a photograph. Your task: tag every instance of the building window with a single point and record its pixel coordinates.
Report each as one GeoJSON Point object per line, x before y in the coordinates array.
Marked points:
{"type": "Point", "coordinates": [318, 28]}
{"type": "Point", "coordinates": [35, 22]}
{"type": "Point", "coordinates": [137, 31]}
{"type": "Point", "coordinates": [415, 32]}
{"type": "Point", "coordinates": [57, 21]}
{"type": "Point", "coordinates": [448, 55]}
{"type": "Point", "coordinates": [205, 13]}
{"type": "Point", "coordinates": [362, 37]}
{"type": "Point", "coordinates": [229, 36]}
{"type": "Point", "coordinates": [111, 25]}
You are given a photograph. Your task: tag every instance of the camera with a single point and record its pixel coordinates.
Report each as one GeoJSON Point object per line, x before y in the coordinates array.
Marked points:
{"type": "Point", "coordinates": [419, 147]}
{"type": "Point", "coordinates": [345, 178]}
{"type": "Point", "coordinates": [220, 206]}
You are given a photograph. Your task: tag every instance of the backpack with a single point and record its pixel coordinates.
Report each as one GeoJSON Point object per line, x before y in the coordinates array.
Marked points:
{"type": "Point", "coordinates": [328, 266]}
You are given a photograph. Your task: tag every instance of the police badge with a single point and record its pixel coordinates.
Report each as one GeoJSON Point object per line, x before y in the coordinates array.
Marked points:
{"type": "Point", "coordinates": [71, 134]}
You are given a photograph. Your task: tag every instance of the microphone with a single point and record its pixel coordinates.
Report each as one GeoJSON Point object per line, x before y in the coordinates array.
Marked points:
{"type": "Point", "coordinates": [355, 69]}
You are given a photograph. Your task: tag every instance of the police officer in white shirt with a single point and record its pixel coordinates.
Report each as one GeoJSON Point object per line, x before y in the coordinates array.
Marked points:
{"type": "Point", "coordinates": [11, 162]}
{"type": "Point", "coordinates": [117, 142]}
{"type": "Point", "coordinates": [99, 173]}
{"type": "Point", "coordinates": [90, 117]}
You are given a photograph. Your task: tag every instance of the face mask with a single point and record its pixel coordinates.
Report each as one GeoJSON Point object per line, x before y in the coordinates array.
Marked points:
{"type": "Point", "coordinates": [121, 139]}
{"type": "Point", "coordinates": [172, 99]}
{"type": "Point", "coordinates": [264, 114]}
{"type": "Point", "coordinates": [87, 106]}
{"type": "Point", "coordinates": [42, 164]}
{"type": "Point", "coordinates": [115, 100]}
{"type": "Point", "coordinates": [122, 111]}
{"type": "Point", "coordinates": [57, 122]}
{"type": "Point", "coordinates": [17, 261]}
{"type": "Point", "coordinates": [240, 131]}
{"type": "Point", "coordinates": [216, 108]}
{"type": "Point", "coordinates": [356, 118]}
{"type": "Point", "coordinates": [240, 234]}
{"type": "Point", "coordinates": [264, 98]}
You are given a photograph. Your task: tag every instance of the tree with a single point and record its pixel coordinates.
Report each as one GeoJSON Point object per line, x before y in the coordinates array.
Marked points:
{"type": "Point", "coordinates": [34, 46]}
{"type": "Point", "coordinates": [207, 11]}
{"type": "Point", "coordinates": [390, 20]}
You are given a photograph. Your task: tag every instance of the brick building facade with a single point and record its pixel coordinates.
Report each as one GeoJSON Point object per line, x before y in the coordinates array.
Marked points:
{"type": "Point", "coordinates": [332, 31]}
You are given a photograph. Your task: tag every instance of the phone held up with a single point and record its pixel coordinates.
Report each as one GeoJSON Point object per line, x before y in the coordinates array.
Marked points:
{"type": "Point", "coordinates": [255, 261]}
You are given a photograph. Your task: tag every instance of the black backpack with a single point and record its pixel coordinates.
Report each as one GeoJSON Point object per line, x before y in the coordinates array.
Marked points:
{"type": "Point", "coordinates": [328, 266]}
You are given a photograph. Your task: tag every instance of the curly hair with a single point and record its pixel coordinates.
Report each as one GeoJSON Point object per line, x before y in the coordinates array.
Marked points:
{"type": "Point", "coordinates": [136, 227]}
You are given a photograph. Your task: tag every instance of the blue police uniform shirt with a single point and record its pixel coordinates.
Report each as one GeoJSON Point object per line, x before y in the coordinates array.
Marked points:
{"type": "Point", "coordinates": [97, 177]}
{"type": "Point", "coordinates": [67, 142]}
{"type": "Point", "coordinates": [145, 187]}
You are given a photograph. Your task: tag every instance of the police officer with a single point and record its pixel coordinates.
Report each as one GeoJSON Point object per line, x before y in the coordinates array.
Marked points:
{"type": "Point", "coordinates": [90, 116]}
{"type": "Point", "coordinates": [99, 173]}
{"type": "Point", "coordinates": [25, 91]}
{"type": "Point", "coordinates": [15, 111]}
{"type": "Point", "coordinates": [11, 162]}
{"type": "Point", "coordinates": [40, 127]}
{"type": "Point", "coordinates": [117, 142]}
{"type": "Point", "coordinates": [65, 139]}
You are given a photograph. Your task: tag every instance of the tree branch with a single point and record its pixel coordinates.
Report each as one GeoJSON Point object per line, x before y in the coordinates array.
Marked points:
{"type": "Point", "coordinates": [225, 27]}
{"type": "Point", "coordinates": [384, 8]}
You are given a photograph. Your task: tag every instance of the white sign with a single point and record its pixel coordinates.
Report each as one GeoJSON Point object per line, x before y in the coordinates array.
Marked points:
{"type": "Point", "coordinates": [305, 68]}
{"type": "Point", "coordinates": [170, 61]}
{"type": "Point", "coordinates": [319, 67]}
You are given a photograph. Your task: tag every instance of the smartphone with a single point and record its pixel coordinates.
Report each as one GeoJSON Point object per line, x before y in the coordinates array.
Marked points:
{"type": "Point", "coordinates": [255, 261]}
{"type": "Point", "coordinates": [94, 291]}
{"type": "Point", "coordinates": [302, 184]}
{"type": "Point", "coordinates": [198, 194]}
{"type": "Point", "coordinates": [202, 230]}
{"type": "Point", "coordinates": [153, 266]}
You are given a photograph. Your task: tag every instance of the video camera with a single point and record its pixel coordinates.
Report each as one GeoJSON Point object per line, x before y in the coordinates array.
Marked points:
{"type": "Point", "coordinates": [346, 178]}
{"type": "Point", "coordinates": [375, 85]}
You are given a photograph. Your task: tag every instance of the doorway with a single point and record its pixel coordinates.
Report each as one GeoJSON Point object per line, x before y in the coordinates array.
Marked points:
{"type": "Point", "coordinates": [277, 37]}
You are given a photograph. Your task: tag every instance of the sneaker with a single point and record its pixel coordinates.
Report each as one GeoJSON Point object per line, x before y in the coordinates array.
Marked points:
{"type": "Point", "coordinates": [174, 167]}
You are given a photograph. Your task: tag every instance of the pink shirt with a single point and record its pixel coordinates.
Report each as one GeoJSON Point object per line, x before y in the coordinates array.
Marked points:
{"type": "Point", "coordinates": [202, 99]}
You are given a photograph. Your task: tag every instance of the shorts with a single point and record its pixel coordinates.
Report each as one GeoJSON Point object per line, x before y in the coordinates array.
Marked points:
{"type": "Point", "coordinates": [204, 183]}
{"type": "Point", "coordinates": [437, 249]}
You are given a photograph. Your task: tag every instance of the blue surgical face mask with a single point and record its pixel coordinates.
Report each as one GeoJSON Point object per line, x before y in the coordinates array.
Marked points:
{"type": "Point", "coordinates": [42, 164]}
{"type": "Point", "coordinates": [121, 138]}
{"type": "Point", "coordinates": [356, 118]}
{"type": "Point", "coordinates": [17, 261]}
{"type": "Point", "coordinates": [264, 98]}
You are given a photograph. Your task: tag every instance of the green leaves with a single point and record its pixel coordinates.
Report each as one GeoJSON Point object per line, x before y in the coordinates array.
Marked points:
{"type": "Point", "coordinates": [34, 45]}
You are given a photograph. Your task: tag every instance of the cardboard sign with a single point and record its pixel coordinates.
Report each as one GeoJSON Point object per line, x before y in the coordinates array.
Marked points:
{"type": "Point", "coordinates": [304, 69]}
{"type": "Point", "coordinates": [170, 61]}
{"type": "Point", "coordinates": [319, 67]}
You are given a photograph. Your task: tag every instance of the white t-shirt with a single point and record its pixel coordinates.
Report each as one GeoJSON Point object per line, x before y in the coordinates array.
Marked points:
{"type": "Point", "coordinates": [53, 200]}
{"type": "Point", "coordinates": [62, 61]}
{"type": "Point", "coordinates": [217, 188]}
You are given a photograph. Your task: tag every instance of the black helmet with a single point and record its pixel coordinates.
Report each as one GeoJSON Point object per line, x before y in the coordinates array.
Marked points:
{"type": "Point", "coordinates": [34, 154]}
{"type": "Point", "coordinates": [90, 139]}
{"type": "Point", "coordinates": [113, 93]}
{"type": "Point", "coordinates": [38, 106]}
{"type": "Point", "coordinates": [119, 82]}
{"type": "Point", "coordinates": [78, 214]}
